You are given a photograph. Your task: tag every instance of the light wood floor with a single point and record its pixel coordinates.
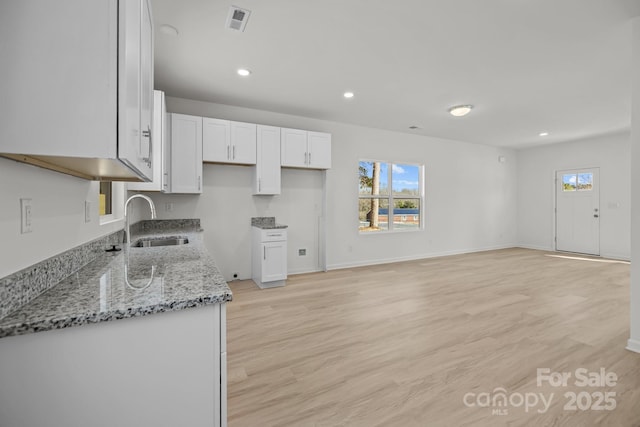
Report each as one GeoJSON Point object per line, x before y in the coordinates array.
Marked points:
{"type": "Point", "coordinates": [401, 344]}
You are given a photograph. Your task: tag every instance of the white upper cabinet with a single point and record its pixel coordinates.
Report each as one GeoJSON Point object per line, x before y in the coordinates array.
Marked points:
{"type": "Point", "coordinates": [304, 149]}
{"type": "Point", "coordinates": [243, 143]}
{"type": "Point", "coordinates": [84, 71]}
{"type": "Point", "coordinates": [319, 147]}
{"type": "Point", "coordinates": [293, 148]}
{"type": "Point", "coordinates": [266, 177]}
{"type": "Point", "coordinates": [185, 173]}
{"type": "Point", "coordinates": [227, 141]}
{"type": "Point", "coordinates": [157, 154]}
{"type": "Point", "coordinates": [216, 140]}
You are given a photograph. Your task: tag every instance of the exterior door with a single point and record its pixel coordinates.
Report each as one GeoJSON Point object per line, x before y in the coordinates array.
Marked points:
{"type": "Point", "coordinates": [578, 211]}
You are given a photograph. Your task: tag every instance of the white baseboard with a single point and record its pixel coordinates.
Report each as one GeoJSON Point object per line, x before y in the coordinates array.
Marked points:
{"type": "Point", "coordinates": [633, 345]}
{"type": "Point", "coordinates": [339, 266]}
{"type": "Point", "coordinates": [535, 247]}
{"type": "Point", "coordinates": [618, 257]}
{"type": "Point", "coordinates": [303, 271]}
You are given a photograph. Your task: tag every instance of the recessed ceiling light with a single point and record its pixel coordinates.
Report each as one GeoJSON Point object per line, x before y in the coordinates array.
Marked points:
{"type": "Point", "coordinates": [348, 95]}
{"type": "Point", "coordinates": [544, 134]}
{"type": "Point", "coordinates": [169, 30]}
{"type": "Point", "coordinates": [244, 72]}
{"type": "Point", "coordinates": [460, 110]}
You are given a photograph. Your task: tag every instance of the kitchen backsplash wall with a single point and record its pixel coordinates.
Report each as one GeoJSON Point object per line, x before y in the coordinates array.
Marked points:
{"type": "Point", "coordinates": [226, 206]}
{"type": "Point", "coordinates": [58, 214]}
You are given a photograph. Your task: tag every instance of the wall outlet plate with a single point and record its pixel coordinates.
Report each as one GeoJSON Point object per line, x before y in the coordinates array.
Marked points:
{"type": "Point", "coordinates": [302, 252]}
{"type": "Point", "coordinates": [87, 211]}
{"type": "Point", "coordinates": [25, 216]}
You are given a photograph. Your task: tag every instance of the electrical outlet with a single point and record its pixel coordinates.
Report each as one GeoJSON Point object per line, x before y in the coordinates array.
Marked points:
{"type": "Point", "coordinates": [25, 216]}
{"type": "Point", "coordinates": [87, 211]}
{"type": "Point", "coordinates": [302, 252]}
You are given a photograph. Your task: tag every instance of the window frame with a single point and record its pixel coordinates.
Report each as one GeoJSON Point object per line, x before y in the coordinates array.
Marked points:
{"type": "Point", "coordinates": [391, 198]}
{"type": "Point", "coordinates": [118, 192]}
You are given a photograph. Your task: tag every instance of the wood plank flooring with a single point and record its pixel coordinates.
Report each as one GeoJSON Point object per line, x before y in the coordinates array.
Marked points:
{"type": "Point", "coordinates": [403, 344]}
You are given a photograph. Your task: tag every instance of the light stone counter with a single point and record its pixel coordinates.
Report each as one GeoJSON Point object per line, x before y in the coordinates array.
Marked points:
{"type": "Point", "coordinates": [129, 283]}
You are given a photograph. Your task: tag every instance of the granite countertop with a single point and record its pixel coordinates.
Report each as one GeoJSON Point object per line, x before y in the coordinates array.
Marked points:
{"type": "Point", "coordinates": [266, 223]}
{"type": "Point", "coordinates": [129, 283]}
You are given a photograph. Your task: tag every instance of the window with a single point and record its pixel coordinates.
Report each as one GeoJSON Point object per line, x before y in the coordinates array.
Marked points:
{"type": "Point", "coordinates": [105, 198]}
{"type": "Point", "coordinates": [390, 196]}
{"type": "Point", "coordinates": [577, 182]}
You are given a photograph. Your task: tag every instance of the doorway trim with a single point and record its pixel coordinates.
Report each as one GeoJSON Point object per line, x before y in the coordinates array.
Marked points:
{"type": "Point", "coordinates": [556, 194]}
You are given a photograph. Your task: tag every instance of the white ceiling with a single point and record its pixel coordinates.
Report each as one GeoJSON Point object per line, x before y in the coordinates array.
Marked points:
{"type": "Point", "coordinates": [528, 66]}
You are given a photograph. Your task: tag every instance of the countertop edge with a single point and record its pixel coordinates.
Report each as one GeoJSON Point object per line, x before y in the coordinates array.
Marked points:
{"type": "Point", "coordinates": [94, 318]}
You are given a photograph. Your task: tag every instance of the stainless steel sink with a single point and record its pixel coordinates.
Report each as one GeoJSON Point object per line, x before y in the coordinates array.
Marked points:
{"type": "Point", "coordinates": [172, 241]}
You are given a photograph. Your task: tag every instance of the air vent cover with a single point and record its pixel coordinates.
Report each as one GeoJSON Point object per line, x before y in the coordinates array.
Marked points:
{"type": "Point", "coordinates": [237, 18]}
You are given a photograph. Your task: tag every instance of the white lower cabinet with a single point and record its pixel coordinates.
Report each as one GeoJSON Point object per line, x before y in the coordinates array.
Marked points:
{"type": "Point", "coordinates": [266, 173]}
{"type": "Point", "coordinates": [162, 370]}
{"type": "Point", "coordinates": [269, 257]}
{"type": "Point", "coordinates": [185, 154]}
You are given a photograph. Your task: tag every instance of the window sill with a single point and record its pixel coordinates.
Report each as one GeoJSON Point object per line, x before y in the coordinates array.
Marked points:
{"type": "Point", "coordinates": [366, 233]}
{"type": "Point", "coordinates": [109, 219]}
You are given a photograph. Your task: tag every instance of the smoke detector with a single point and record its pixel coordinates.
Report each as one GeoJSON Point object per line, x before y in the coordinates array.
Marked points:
{"type": "Point", "coordinates": [237, 18]}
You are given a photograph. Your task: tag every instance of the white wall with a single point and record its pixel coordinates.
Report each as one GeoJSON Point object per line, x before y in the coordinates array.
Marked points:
{"type": "Point", "coordinates": [536, 190]}
{"type": "Point", "coordinates": [226, 206]}
{"type": "Point", "coordinates": [634, 340]}
{"type": "Point", "coordinates": [57, 214]}
{"type": "Point", "coordinates": [470, 201]}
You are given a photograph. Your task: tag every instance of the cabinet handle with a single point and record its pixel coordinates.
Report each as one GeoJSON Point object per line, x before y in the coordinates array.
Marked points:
{"type": "Point", "coordinates": [228, 152]}
{"type": "Point", "coordinates": [199, 183]}
{"type": "Point", "coordinates": [234, 152]}
{"type": "Point", "coordinates": [259, 185]}
{"type": "Point", "coordinates": [147, 134]}
{"type": "Point", "coordinates": [309, 159]}
{"type": "Point", "coordinates": [264, 249]}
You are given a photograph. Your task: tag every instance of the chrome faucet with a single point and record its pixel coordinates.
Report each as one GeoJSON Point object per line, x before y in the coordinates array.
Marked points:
{"type": "Point", "coordinates": [126, 214]}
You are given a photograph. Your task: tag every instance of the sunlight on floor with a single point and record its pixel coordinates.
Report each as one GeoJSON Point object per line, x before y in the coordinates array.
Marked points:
{"type": "Point", "coordinates": [608, 261]}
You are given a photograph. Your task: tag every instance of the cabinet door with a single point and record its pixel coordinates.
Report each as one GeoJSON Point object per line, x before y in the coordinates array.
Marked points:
{"type": "Point", "coordinates": [216, 140]}
{"type": "Point", "coordinates": [243, 143]}
{"type": "Point", "coordinates": [267, 170]}
{"type": "Point", "coordinates": [186, 154]}
{"type": "Point", "coordinates": [319, 150]}
{"type": "Point", "coordinates": [129, 82]}
{"type": "Point", "coordinates": [133, 31]}
{"type": "Point", "coordinates": [158, 138]}
{"type": "Point", "coordinates": [148, 138]}
{"type": "Point", "coordinates": [274, 261]}
{"type": "Point", "coordinates": [293, 148]}
{"type": "Point", "coordinates": [166, 151]}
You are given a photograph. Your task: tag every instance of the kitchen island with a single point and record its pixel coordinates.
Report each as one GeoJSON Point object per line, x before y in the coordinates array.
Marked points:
{"type": "Point", "coordinates": [135, 337]}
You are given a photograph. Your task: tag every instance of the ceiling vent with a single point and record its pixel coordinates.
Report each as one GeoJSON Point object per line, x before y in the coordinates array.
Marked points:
{"type": "Point", "coordinates": [237, 18]}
